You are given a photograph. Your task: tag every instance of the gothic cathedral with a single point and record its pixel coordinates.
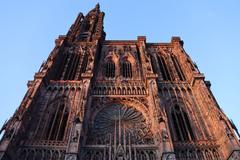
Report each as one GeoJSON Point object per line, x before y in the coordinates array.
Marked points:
{"type": "Point", "coordinates": [97, 99]}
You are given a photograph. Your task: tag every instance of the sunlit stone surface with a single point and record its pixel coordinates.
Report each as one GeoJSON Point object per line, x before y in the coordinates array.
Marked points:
{"type": "Point", "coordinates": [97, 99]}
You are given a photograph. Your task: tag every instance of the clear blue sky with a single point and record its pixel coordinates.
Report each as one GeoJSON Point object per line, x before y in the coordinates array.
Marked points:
{"type": "Point", "coordinates": [210, 30]}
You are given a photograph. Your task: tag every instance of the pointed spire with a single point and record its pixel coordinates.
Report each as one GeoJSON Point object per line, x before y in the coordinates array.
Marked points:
{"type": "Point", "coordinates": [96, 9]}
{"type": "Point", "coordinates": [97, 6]}
{"type": "Point", "coordinates": [89, 27]}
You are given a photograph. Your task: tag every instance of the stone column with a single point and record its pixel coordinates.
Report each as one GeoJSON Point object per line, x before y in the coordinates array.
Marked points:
{"type": "Point", "coordinates": [73, 145]}
{"type": "Point", "coordinates": [165, 151]}
{"type": "Point", "coordinates": [166, 142]}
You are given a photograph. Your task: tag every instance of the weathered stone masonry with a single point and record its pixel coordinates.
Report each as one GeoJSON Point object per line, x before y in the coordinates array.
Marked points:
{"type": "Point", "coordinates": [97, 99]}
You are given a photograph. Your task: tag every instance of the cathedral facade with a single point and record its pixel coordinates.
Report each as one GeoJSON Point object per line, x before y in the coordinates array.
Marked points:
{"type": "Point", "coordinates": [97, 99]}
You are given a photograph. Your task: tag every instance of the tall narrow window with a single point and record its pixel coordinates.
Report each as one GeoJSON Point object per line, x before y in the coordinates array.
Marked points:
{"type": "Point", "coordinates": [163, 68]}
{"type": "Point", "coordinates": [178, 68]}
{"type": "Point", "coordinates": [153, 61]}
{"type": "Point", "coordinates": [67, 66]}
{"type": "Point", "coordinates": [126, 69]}
{"type": "Point", "coordinates": [61, 65]}
{"type": "Point", "coordinates": [57, 122]}
{"type": "Point", "coordinates": [74, 66]}
{"type": "Point", "coordinates": [110, 69]}
{"type": "Point", "coordinates": [181, 124]}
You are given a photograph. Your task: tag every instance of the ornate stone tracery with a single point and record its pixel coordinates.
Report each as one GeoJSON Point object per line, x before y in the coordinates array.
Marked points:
{"type": "Point", "coordinates": [97, 99]}
{"type": "Point", "coordinates": [122, 132]}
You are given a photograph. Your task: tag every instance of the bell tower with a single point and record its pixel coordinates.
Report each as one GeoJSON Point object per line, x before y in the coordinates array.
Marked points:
{"type": "Point", "coordinates": [51, 113]}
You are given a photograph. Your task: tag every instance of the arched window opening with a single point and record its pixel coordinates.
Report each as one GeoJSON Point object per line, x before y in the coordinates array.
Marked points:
{"type": "Point", "coordinates": [57, 122]}
{"type": "Point", "coordinates": [104, 90]}
{"type": "Point", "coordinates": [110, 69]}
{"type": "Point", "coordinates": [63, 62]}
{"type": "Point", "coordinates": [68, 66]}
{"type": "Point", "coordinates": [181, 124]}
{"type": "Point", "coordinates": [177, 129]}
{"type": "Point", "coordinates": [163, 69]}
{"type": "Point", "coordinates": [74, 66]}
{"type": "Point", "coordinates": [126, 69]}
{"type": "Point", "coordinates": [178, 68]}
{"type": "Point", "coordinates": [99, 90]}
{"type": "Point", "coordinates": [153, 62]}
{"type": "Point", "coordinates": [114, 90]}
{"type": "Point", "coordinates": [188, 125]}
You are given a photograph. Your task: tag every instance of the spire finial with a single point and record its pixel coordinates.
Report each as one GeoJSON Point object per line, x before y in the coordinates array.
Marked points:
{"type": "Point", "coordinates": [97, 6]}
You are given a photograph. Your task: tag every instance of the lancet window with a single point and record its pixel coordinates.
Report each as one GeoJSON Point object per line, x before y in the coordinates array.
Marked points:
{"type": "Point", "coordinates": [126, 69]}
{"type": "Point", "coordinates": [57, 121]}
{"type": "Point", "coordinates": [68, 66]}
{"type": "Point", "coordinates": [181, 124]}
{"type": "Point", "coordinates": [163, 68]}
{"type": "Point", "coordinates": [110, 69]}
{"type": "Point", "coordinates": [153, 62]}
{"type": "Point", "coordinates": [178, 68]}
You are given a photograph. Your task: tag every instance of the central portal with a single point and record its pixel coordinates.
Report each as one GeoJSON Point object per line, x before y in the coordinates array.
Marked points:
{"type": "Point", "coordinates": [119, 132]}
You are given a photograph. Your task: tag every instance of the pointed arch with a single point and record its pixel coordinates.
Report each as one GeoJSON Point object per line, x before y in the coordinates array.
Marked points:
{"type": "Point", "coordinates": [110, 63]}
{"type": "Point", "coordinates": [154, 64]}
{"type": "Point", "coordinates": [178, 68]}
{"type": "Point", "coordinates": [109, 69]}
{"type": "Point", "coordinates": [163, 68]}
{"type": "Point", "coordinates": [58, 113]}
{"type": "Point", "coordinates": [181, 124]}
{"type": "Point", "coordinates": [126, 69]}
{"type": "Point", "coordinates": [128, 65]}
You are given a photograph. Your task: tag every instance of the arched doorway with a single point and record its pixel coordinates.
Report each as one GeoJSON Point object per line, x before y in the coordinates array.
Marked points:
{"type": "Point", "coordinates": [119, 132]}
